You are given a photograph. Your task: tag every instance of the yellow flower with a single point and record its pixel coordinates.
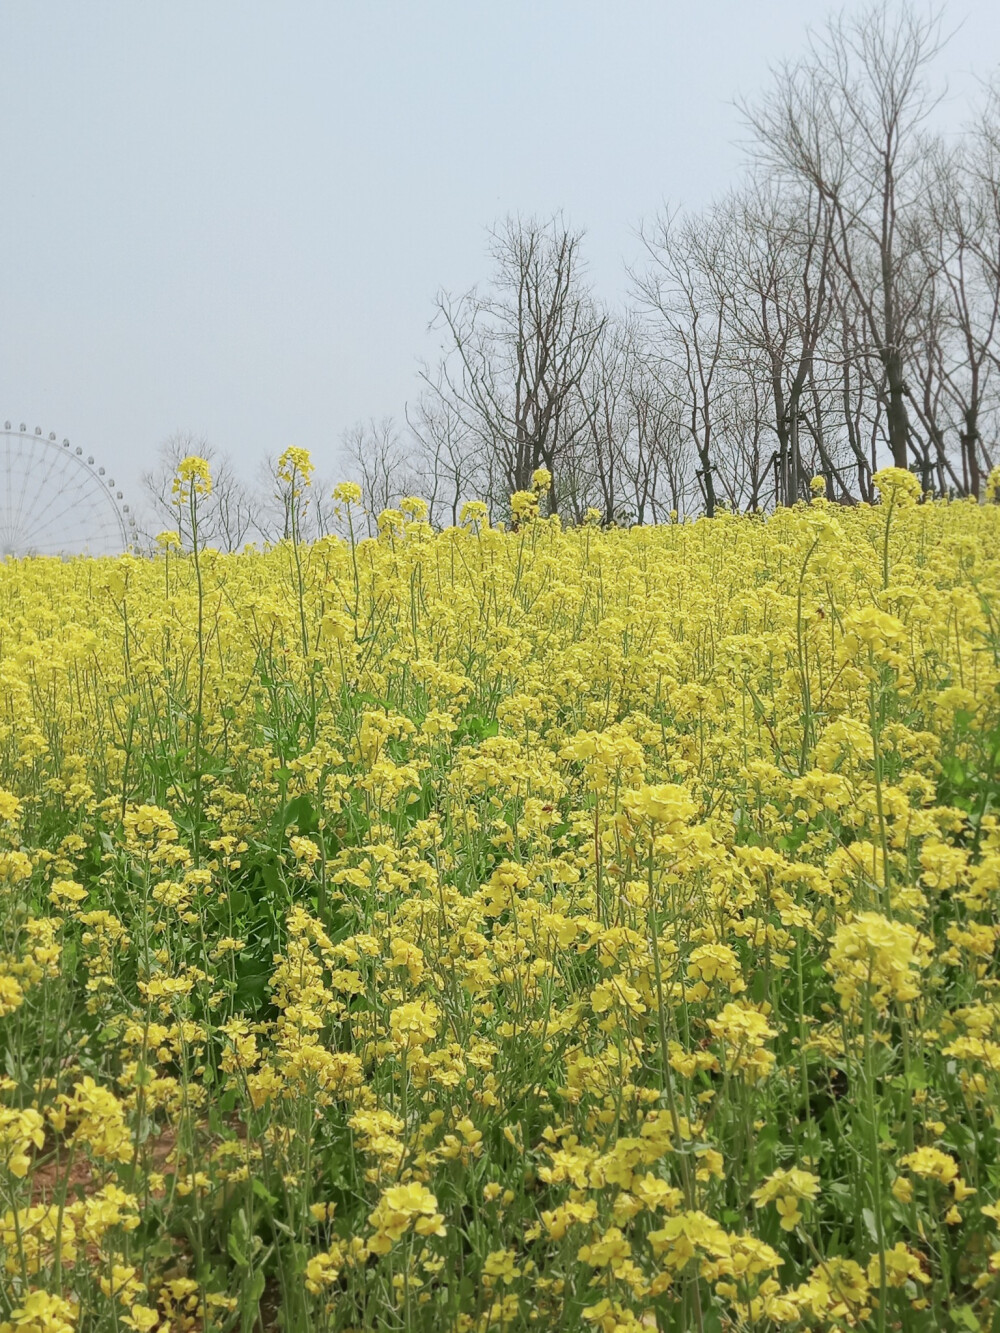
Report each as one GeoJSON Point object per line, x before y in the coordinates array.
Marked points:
{"type": "Point", "coordinates": [66, 891]}
{"type": "Point", "coordinates": [876, 959]}
{"type": "Point", "coordinates": [400, 1207]}
{"type": "Point", "coordinates": [902, 1189]}
{"type": "Point", "coordinates": [141, 1318]}
{"type": "Point", "coordinates": [897, 483]}
{"type": "Point", "coordinates": [347, 492]}
{"type": "Point", "coordinates": [355, 854]}
{"type": "Point", "coordinates": [901, 1266]}
{"type": "Point", "coordinates": [194, 477]}
{"type": "Point", "coordinates": [683, 1236]}
{"type": "Point", "coordinates": [788, 1211]}
{"type": "Point", "coordinates": [295, 466]}
{"type": "Point", "coordinates": [10, 806]}
{"type": "Point", "coordinates": [665, 804]}
{"type": "Point", "coordinates": [41, 1313]}
{"type": "Point", "coordinates": [743, 1029]}
{"type": "Point", "coordinates": [11, 995]}
{"type": "Point", "coordinates": [716, 962]}
{"type": "Point", "coordinates": [123, 1283]}
{"type": "Point", "coordinates": [20, 1131]}
{"type": "Point", "coordinates": [933, 1163]}
{"type": "Point", "coordinates": [523, 504]}
{"type": "Point", "coordinates": [414, 1024]}
{"type": "Point", "coordinates": [786, 1189]}
{"type": "Point", "coordinates": [99, 1118]}
{"type": "Point", "coordinates": [323, 1269]}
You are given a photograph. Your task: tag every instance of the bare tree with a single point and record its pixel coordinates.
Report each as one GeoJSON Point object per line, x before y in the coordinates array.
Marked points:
{"type": "Point", "coordinates": [228, 514]}
{"type": "Point", "coordinates": [778, 258]}
{"type": "Point", "coordinates": [965, 254]}
{"type": "Point", "coordinates": [378, 457]}
{"type": "Point", "coordinates": [283, 510]}
{"type": "Point", "coordinates": [607, 413]}
{"type": "Point", "coordinates": [517, 353]}
{"type": "Point", "coordinates": [685, 293]}
{"type": "Point", "coordinates": [841, 303]}
{"type": "Point", "coordinates": [446, 464]}
{"type": "Point", "coordinates": [659, 466]}
{"type": "Point", "coordinates": [848, 121]}
{"type": "Point", "coordinates": [745, 455]}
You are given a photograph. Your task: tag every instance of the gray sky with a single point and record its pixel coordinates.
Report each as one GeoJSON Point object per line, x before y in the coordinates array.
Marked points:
{"type": "Point", "coordinates": [232, 217]}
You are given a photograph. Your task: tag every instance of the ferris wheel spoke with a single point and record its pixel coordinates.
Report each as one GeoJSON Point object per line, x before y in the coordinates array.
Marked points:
{"type": "Point", "coordinates": [19, 489]}
{"type": "Point", "coordinates": [37, 530]}
{"type": "Point", "coordinates": [50, 541]}
{"type": "Point", "coordinates": [19, 480]}
{"type": "Point", "coordinates": [38, 514]}
{"type": "Point", "coordinates": [9, 526]}
{"type": "Point", "coordinates": [51, 502]}
{"type": "Point", "coordinates": [45, 484]}
{"type": "Point", "coordinates": [37, 521]}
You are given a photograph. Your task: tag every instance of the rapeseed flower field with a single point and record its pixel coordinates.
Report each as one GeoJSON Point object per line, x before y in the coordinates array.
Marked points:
{"type": "Point", "coordinates": [505, 928]}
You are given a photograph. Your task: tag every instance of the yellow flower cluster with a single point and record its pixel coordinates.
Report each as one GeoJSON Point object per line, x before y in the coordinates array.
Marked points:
{"type": "Point", "coordinates": [193, 478]}
{"type": "Point", "coordinates": [510, 927]}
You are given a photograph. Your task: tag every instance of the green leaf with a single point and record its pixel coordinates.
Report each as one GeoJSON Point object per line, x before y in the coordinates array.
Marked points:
{"type": "Point", "coordinates": [301, 812]}
{"type": "Point", "coordinates": [791, 842]}
{"type": "Point", "coordinates": [236, 1252]}
{"type": "Point", "coordinates": [479, 728]}
{"type": "Point", "coordinates": [250, 1294]}
{"type": "Point", "coordinates": [251, 987]}
{"type": "Point", "coordinates": [964, 1316]}
{"type": "Point", "coordinates": [842, 1193]}
{"type": "Point", "coordinates": [262, 1193]}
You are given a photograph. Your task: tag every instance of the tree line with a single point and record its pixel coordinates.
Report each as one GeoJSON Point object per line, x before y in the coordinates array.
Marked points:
{"type": "Point", "coordinates": [835, 311]}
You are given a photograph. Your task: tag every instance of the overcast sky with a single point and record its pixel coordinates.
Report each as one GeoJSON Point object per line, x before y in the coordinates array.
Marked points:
{"type": "Point", "coordinates": [232, 218]}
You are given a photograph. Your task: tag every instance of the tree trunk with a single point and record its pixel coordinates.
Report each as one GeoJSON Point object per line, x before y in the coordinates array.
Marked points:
{"type": "Point", "coordinates": [897, 419]}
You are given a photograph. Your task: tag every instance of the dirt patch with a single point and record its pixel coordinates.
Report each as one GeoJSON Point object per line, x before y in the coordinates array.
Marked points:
{"type": "Point", "coordinates": [64, 1173]}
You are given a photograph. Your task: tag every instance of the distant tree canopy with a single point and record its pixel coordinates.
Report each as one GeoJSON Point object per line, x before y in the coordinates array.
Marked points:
{"type": "Point", "coordinates": [838, 309]}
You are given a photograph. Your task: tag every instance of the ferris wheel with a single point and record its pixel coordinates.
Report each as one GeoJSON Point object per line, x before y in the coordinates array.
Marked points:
{"type": "Point", "coordinates": [55, 501]}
